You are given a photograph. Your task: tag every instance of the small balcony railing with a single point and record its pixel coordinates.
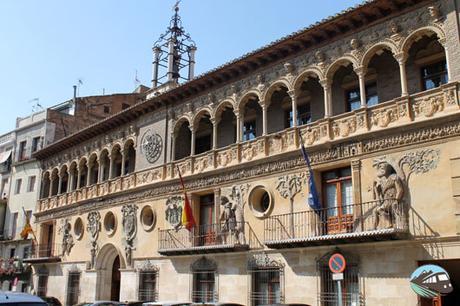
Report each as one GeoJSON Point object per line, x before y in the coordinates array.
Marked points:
{"type": "Point", "coordinates": [45, 253]}
{"type": "Point", "coordinates": [363, 221]}
{"type": "Point", "coordinates": [209, 238]}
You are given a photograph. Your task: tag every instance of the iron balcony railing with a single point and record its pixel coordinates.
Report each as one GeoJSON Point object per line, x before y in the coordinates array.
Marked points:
{"type": "Point", "coordinates": [148, 295]}
{"type": "Point", "coordinates": [363, 219]}
{"type": "Point", "coordinates": [209, 237]}
{"type": "Point", "coordinates": [43, 251]}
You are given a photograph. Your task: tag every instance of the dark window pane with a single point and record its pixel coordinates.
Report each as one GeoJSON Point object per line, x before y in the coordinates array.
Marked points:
{"type": "Point", "coordinates": [434, 75]}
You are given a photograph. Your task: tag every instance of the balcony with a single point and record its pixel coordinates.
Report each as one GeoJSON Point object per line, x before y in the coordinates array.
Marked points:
{"type": "Point", "coordinates": [211, 238]}
{"type": "Point", "coordinates": [349, 223]}
{"type": "Point", "coordinates": [398, 113]}
{"type": "Point", "coordinates": [42, 253]}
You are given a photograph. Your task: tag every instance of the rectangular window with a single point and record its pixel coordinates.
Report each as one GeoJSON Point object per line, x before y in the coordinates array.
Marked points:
{"type": "Point", "coordinates": [303, 116]}
{"type": "Point", "coordinates": [434, 75]}
{"type": "Point", "coordinates": [31, 183]}
{"type": "Point", "coordinates": [148, 286]}
{"type": "Point", "coordinates": [266, 287]}
{"type": "Point", "coordinates": [203, 144]}
{"type": "Point", "coordinates": [106, 109]}
{"type": "Point", "coordinates": [207, 230]}
{"type": "Point", "coordinates": [73, 288]}
{"type": "Point", "coordinates": [203, 287]}
{"type": "Point", "coordinates": [14, 225]}
{"type": "Point", "coordinates": [338, 198]}
{"type": "Point", "coordinates": [17, 188]}
{"type": "Point", "coordinates": [249, 130]}
{"type": "Point", "coordinates": [351, 294]}
{"type": "Point", "coordinates": [22, 150]}
{"type": "Point", "coordinates": [353, 97]}
{"type": "Point", "coordinates": [12, 252]}
{"type": "Point", "coordinates": [4, 191]}
{"type": "Point", "coordinates": [124, 106]}
{"type": "Point", "coordinates": [42, 285]}
{"type": "Point", "coordinates": [35, 144]}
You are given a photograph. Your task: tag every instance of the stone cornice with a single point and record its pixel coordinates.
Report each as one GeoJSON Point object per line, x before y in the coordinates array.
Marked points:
{"type": "Point", "coordinates": [437, 129]}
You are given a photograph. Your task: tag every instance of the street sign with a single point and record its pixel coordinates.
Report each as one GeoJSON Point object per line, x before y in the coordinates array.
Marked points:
{"type": "Point", "coordinates": [337, 276]}
{"type": "Point", "coordinates": [337, 263]}
{"type": "Point", "coordinates": [430, 281]}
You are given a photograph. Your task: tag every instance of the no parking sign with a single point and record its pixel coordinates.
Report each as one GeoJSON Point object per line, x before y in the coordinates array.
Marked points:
{"type": "Point", "coordinates": [337, 263]}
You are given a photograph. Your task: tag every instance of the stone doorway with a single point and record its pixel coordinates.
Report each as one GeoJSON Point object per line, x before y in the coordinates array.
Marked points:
{"type": "Point", "coordinates": [108, 264]}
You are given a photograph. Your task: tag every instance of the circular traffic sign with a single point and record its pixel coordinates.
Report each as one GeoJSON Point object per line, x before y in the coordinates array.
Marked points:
{"type": "Point", "coordinates": [430, 281]}
{"type": "Point", "coordinates": [337, 263]}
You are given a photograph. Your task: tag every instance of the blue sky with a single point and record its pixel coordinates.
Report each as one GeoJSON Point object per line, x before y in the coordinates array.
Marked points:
{"type": "Point", "coordinates": [47, 45]}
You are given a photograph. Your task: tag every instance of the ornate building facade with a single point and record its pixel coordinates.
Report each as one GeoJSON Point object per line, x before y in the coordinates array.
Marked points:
{"type": "Point", "coordinates": [372, 93]}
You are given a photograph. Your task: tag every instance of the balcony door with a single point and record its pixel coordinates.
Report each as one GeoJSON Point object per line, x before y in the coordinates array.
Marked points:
{"type": "Point", "coordinates": [338, 197]}
{"type": "Point", "coordinates": [207, 231]}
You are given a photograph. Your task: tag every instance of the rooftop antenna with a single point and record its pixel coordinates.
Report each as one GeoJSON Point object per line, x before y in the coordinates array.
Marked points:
{"type": "Point", "coordinates": [137, 82]}
{"type": "Point", "coordinates": [79, 83]}
{"type": "Point", "coordinates": [173, 52]}
{"type": "Point", "coordinates": [36, 106]}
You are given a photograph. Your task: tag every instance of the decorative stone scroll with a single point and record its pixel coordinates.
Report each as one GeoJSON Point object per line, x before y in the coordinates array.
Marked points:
{"type": "Point", "coordinates": [263, 261]}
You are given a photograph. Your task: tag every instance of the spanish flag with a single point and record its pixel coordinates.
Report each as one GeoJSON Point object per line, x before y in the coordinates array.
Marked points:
{"type": "Point", "coordinates": [27, 227]}
{"type": "Point", "coordinates": [188, 221]}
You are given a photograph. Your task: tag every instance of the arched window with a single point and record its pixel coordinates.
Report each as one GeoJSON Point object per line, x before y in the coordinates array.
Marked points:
{"type": "Point", "coordinates": [226, 125]}
{"type": "Point", "coordinates": [279, 111]}
{"type": "Point", "coordinates": [130, 157]}
{"type": "Point", "coordinates": [204, 272]}
{"type": "Point", "coordinates": [310, 101]}
{"type": "Point", "coordinates": [105, 164]}
{"type": "Point", "coordinates": [64, 179]}
{"type": "Point", "coordinates": [345, 88]}
{"type": "Point", "coordinates": [426, 64]}
{"type": "Point", "coordinates": [203, 134]}
{"type": "Point", "coordinates": [252, 122]}
{"type": "Point", "coordinates": [182, 137]}
{"type": "Point", "coordinates": [116, 161]}
{"type": "Point", "coordinates": [93, 166]}
{"type": "Point", "coordinates": [148, 282]}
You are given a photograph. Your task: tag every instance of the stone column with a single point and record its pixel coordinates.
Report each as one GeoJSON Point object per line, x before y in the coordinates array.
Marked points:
{"type": "Point", "coordinates": [293, 96]}
{"type": "Point", "coordinates": [123, 161]}
{"type": "Point", "coordinates": [327, 97]}
{"type": "Point", "coordinates": [70, 182]}
{"type": "Point", "coordinates": [59, 183]}
{"type": "Point", "coordinates": [356, 185]}
{"type": "Point", "coordinates": [78, 177]}
{"type": "Point", "coordinates": [192, 141]}
{"type": "Point", "coordinates": [88, 173]}
{"type": "Point", "coordinates": [50, 193]}
{"type": "Point", "coordinates": [361, 72]}
{"type": "Point", "coordinates": [173, 146]}
{"type": "Point", "coordinates": [214, 122]}
{"type": "Point", "coordinates": [110, 166]}
{"type": "Point", "coordinates": [264, 117]}
{"type": "Point", "coordinates": [401, 58]}
{"type": "Point", "coordinates": [100, 174]}
{"type": "Point", "coordinates": [240, 127]}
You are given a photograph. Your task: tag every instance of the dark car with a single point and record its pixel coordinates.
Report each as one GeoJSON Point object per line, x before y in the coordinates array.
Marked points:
{"type": "Point", "coordinates": [51, 301]}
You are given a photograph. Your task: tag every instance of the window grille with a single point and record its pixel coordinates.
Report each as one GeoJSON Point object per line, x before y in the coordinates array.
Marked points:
{"type": "Point", "coordinates": [266, 281]}
{"type": "Point", "coordinates": [148, 285]}
{"type": "Point", "coordinates": [204, 272]}
{"type": "Point", "coordinates": [73, 288]}
{"type": "Point", "coordinates": [42, 285]}
{"type": "Point", "coordinates": [351, 293]}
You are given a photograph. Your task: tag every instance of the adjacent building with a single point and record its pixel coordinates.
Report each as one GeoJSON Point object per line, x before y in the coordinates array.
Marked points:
{"type": "Point", "coordinates": [372, 93]}
{"type": "Point", "coordinates": [21, 172]}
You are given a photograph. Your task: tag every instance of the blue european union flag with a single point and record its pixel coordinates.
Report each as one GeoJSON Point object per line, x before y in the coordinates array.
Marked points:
{"type": "Point", "coordinates": [313, 199]}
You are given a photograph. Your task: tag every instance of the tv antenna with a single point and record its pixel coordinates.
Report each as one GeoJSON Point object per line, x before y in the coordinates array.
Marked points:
{"type": "Point", "coordinates": [79, 83]}
{"type": "Point", "coordinates": [36, 106]}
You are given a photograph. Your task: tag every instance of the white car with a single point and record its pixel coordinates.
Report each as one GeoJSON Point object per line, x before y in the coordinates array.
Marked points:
{"type": "Point", "coordinates": [12, 298]}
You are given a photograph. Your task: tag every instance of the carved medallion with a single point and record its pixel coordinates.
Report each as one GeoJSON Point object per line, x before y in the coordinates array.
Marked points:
{"type": "Point", "coordinates": [151, 146]}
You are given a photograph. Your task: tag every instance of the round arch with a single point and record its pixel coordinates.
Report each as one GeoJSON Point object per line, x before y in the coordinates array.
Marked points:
{"type": "Point", "coordinates": [375, 48]}
{"type": "Point", "coordinates": [425, 31]}
{"type": "Point", "coordinates": [200, 114]}
{"type": "Point", "coordinates": [246, 97]}
{"type": "Point", "coordinates": [222, 106]}
{"type": "Point", "coordinates": [309, 72]}
{"type": "Point", "coordinates": [332, 69]}
{"type": "Point", "coordinates": [274, 87]}
{"type": "Point", "coordinates": [105, 260]}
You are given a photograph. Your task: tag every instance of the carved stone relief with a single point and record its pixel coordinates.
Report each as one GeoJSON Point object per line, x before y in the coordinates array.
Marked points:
{"type": "Point", "coordinates": [391, 186]}
{"type": "Point", "coordinates": [67, 238]}
{"type": "Point", "coordinates": [129, 222]}
{"type": "Point", "coordinates": [174, 210]}
{"type": "Point", "coordinates": [262, 260]}
{"type": "Point", "coordinates": [93, 228]}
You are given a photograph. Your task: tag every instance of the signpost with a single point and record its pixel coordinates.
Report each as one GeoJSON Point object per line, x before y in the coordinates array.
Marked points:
{"type": "Point", "coordinates": [431, 281]}
{"type": "Point", "coordinates": [337, 265]}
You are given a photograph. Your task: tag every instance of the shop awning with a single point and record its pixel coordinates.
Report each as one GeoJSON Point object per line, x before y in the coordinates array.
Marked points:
{"type": "Point", "coordinates": [4, 156]}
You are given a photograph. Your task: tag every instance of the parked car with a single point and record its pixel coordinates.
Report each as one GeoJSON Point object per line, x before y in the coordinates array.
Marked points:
{"type": "Point", "coordinates": [295, 304]}
{"type": "Point", "coordinates": [167, 304]}
{"type": "Point", "coordinates": [101, 303]}
{"type": "Point", "coordinates": [51, 301]}
{"type": "Point", "coordinates": [217, 304]}
{"type": "Point", "coordinates": [11, 298]}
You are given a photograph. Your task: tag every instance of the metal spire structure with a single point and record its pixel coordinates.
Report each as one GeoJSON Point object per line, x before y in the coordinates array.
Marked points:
{"type": "Point", "coordinates": [173, 53]}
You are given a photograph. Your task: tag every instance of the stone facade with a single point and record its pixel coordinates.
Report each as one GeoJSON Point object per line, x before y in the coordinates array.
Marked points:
{"type": "Point", "coordinates": [237, 147]}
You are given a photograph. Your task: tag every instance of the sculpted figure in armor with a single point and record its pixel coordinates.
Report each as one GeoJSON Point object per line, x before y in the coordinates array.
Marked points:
{"type": "Point", "coordinates": [227, 217]}
{"type": "Point", "coordinates": [388, 191]}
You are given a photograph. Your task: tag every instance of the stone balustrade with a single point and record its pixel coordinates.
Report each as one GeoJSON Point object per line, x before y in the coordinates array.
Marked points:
{"type": "Point", "coordinates": [401, 111]}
